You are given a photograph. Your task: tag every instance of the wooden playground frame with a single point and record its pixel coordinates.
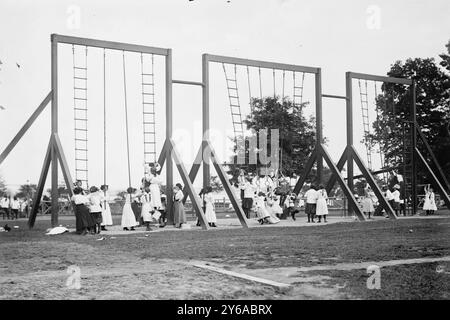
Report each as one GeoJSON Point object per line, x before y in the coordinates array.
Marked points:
{"type": "Point", "coordinates": [206, 153]}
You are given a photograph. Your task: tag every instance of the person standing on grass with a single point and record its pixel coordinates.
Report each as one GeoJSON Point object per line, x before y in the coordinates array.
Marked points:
{"type": "Point", "coordinates": [179, 215]}
{"type": "Point", "coordinates": [367, 204]}
{"type": "Point", "coordinates": [241, 180]}
{"type": "Point", "coordinates": [155, 182]}
{"type": "Point", "coordinates": [210, 213]}
{"type": "Point", "coordinates": [162, 211]}
{"type": "Point", "coordinates": [396, 195]}
{"type": "Point", "coordinates": [311, 203]}
{"type": "Point", "coordinates": [249, 193]}
{"type": "Point", "coordinates": [106, 209]}
{"type": "Point", "coordinates": [146, 209]}
{"type": "Point", "coordinates": [429, 205]}
{"type": "Point", "coordinates": [4, 204]}
{"type": "Point", "coordinates": [95, 208]}
{"type": "Point", "coordinates": [83, 219]}
{"type": "Point", "coordinates": [321, 206]}
{"type": "Point", "coordinates": [136, 207]}
{"type": "Point", "coordinates": [128, 219]}
{"type": "Point", "coordinates": [260, 206]}
{"type": "Point", "coordinates": [15, 205]}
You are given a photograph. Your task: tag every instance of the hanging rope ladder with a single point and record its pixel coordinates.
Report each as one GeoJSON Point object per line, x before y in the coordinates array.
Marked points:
{"type": "Point", "coordinates": [298, 89]}
{"type": "Point", "coordinates": [148, 108]}
{"type": "Point", "coordinates": [235, 107]}
{"type": "Point", "coordinates": [363, 94]}
{"type": "Point", "coordinates": [80, 85]}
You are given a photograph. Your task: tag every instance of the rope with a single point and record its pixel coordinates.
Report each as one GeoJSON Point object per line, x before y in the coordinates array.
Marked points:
{"type": "Point", "coordinates": [260, 84]}
{"type": "Point", "coordinates": [249, 90]}
{"type": "Point", "coordinates": [284, 75]}
{"type": "Point", "coordinates": [126, 117]}
{"type": "Point", "coordinates": [104, 117]}
{"type": "Point", "coordinates": [274, 90]}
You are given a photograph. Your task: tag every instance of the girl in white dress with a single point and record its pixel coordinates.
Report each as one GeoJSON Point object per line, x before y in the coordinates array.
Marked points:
{"type": "Point", "coordinates": [210, 213]}
{"type": "Point", "coordinates": [155, 191]}
{"type": "Point", "coordinates": [273, 208]}
{"type": "Point", "coordinates": [429, 205]}
{"type": "Point", "coordinates": [260, 205]}
{"type": "Point", "coordinates": [146, 209]}
{"type": "Point", "coordinates": [128, 218]}
{"type": "Point", "coordinates": [321, 206]}
{"type": "Point", "coordinates": [106, 210]}
{"type": "Point", "coordinates": [367, 203]}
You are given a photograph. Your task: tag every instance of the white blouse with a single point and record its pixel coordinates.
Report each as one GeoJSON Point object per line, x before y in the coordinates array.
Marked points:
{"type": "Point", "coordinates": [80, 199]}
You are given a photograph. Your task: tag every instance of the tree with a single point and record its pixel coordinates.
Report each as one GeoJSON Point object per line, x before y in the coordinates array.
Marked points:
{"type": "Point", "coordinates": [3, 189]}
{"type": "Point", "coordinates": [27, 191]}
{"type": "Point", "coordinates": [216, 184]}
{"type": "Point", "coordinates": [297, 134]}
{"type": "Point", "coordinates": [433, 111]}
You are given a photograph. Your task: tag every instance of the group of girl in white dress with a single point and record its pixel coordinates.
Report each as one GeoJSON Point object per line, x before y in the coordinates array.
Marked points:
{"type": "Point", "coordinates": [263, 196]}
{"type": "Point", "coordinates": [152, 209]}
{"type": "Point", "coordinates": [92, 211]}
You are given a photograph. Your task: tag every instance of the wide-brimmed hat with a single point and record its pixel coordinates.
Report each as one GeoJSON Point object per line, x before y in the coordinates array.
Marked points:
{"type": "Point", "coordinates": [396, 186]}
{"type": "Point", "coordinates": [93, 189]}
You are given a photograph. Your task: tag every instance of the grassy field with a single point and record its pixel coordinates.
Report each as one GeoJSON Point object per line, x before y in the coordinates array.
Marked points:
{"type": "Point", "coordinates": [136, 266]}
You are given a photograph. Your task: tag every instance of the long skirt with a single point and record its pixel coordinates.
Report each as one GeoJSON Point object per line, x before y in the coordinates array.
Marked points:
{"type": "Point", "coordinates": [310, 208]}
{"type": "Point", "coordinates": [247, 203]}
{"type": "Point", "coordinates": [429, 205]}
{"type": "Point", "coordinates": [321, 207]}
{"type": "Point", "coordinates": [106, 215]}
{"type": "Point", "coordinates": [272, 210]}
{"type": "Point", "coordinates": [146, 212]}
{"type": "Point", "coordinates": [136, 211]}
{"type": "Point", "coordinates": [128, 218]}
{"type": "Point", "coordinates": [367, 205]}
{"type": "Point", "coordinates": [179, 216]}
{"type": "Point", "coordinates": [155, 193]}
{"type": "Point", "coordinates": [261, 213]}
{"type": "Point", "coordinates": [97, 217]}
{"type": "Point", "coordinates": [210, 214]}
{"type": "Point", "coordinates": [84, 216]}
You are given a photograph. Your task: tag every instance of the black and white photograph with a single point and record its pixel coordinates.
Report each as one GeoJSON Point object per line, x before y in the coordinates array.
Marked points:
{"type": "Point", "coordinates": [203, 151]}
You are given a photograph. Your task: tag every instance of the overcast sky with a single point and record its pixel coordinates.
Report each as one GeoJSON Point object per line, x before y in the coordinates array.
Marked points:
{"type": "Point", "coordinates": [338, 36]}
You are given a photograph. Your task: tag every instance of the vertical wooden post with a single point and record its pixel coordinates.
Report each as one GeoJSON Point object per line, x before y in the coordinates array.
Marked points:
{"type": "Point", "coordinates": [319, 128]}
{"type": "Point", "coordinates": [413, 154]}
{"type": "Point", "coordinates": [205, 119]}
{"type": "Point", "coordinates": [169, 128]}
{"type": "Point", "coordinates": [349, 108]}
{"type": "Point", "coordinates": [54, 128]}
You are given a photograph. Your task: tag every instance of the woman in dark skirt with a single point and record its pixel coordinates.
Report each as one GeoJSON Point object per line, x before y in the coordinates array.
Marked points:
{"type": "Point", "coordinates": [84, 221]}
{"type": "Point", "coordinates": [179, 216]}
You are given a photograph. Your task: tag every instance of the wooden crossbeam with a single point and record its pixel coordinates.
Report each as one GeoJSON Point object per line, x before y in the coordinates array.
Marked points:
{"type": "Point", "coordinates": [339, 166]}
{"type": "Point", "coordinates": [195, 199]}
{"type": "Point", "coordinates": [436, 181]}
{"type": "Point", "coordinates": [369, 178]}
{"type": "Point", "coordinates": [433, 157]}
{"type": "Point", "coordinates": [353, 204]}
{"type": "Point", "coordinates": [227, 186]}
{"type": "Point", "coordinates": [306, 171]}
{"type": "Point", "coordinates": [25, 127]}
{"type": "Point", "coordinates": [194, 171]}
{"type": "Point", "coordinates": [41, 184]}
{"type": "Point", "coordinates": [62, 161]}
